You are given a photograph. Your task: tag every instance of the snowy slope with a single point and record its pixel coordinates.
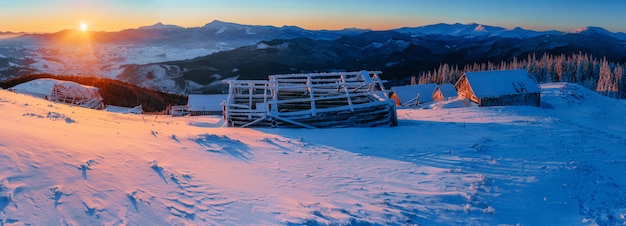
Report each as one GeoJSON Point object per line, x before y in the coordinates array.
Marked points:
{"type": "Point", "coordinates": [561, 164]}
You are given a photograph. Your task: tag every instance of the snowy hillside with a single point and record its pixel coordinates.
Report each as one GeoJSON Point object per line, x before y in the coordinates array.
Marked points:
{"type": "Point", "coordinates": [561, 164]}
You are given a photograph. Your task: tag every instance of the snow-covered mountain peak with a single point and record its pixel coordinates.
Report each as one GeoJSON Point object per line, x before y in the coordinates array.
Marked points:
{"type": "Point", "coordinates": [221, 27]}
{"type": "Point", "coordinates": [219, 23]}
{"type": "Point", "coordinates": [480, 28]}
{"type": "Point", "coordinates": [160, 25]}
{"type": "Point", "coordinates": [590, 30]}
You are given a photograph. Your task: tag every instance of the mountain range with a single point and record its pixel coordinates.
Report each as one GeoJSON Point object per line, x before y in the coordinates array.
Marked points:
{"type": "Point", "coordinates": [215, 32]}
{"type": "Point", "coordinates": [223, 30]}
{"type": "Point", "coordinates": [399, 53]}
{"type": "Point", "coordinates": [253, 52]}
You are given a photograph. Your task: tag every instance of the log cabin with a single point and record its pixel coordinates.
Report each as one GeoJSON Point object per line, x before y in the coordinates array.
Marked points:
{"type": "Point", "coordinates": [499, 88]}
{"type": "Point", "coordinates": [205, 104]}
{"type": "Point", "coordinates": [444, 92]}
{"type": "Point", "coordinates": [413, 95]}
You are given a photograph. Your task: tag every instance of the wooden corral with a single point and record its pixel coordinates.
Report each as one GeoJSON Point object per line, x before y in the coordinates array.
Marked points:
{"type": "Point", "coordinates": [77, 95]}
{"type": "Point", "coordinates": [499, 88]}
{"type": "Point", "coordinates": [318, 100]}
{"type": "Point", "coordinates": [444, 92]}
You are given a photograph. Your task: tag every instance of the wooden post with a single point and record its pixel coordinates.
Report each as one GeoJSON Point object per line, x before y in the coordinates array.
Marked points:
{"type": "Point", "coordinates": [343, 83]}
{"type": "Point", "coordinates": [312, 96]}
{"type": "Point", "coordinates": [250, 100]}
{"type": "Point", "coordinates": [274, 90]}
{"type": "Point", "coordinates": [265, 97]}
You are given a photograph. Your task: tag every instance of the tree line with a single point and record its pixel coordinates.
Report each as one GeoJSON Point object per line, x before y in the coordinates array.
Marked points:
{"type": "Point", "coordinates": [114, 92]}
{"type": "Point", "coordinates": [594, 73]}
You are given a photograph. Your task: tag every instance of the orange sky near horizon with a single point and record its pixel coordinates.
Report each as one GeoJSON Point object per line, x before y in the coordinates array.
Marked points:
{"type": "Point", "coordinates": [116, 20]}
{"type": "Point", "coordinates": [113, 15]}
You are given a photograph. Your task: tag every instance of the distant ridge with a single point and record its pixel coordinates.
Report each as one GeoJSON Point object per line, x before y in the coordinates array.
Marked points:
{"type": "Point", "coordinates": [472, 30]}
{"type": "Point", "coordinates": [599, 31]}
{"type": "Point", "coordinates": [456, 29]}
{"type": "Point", "coordinates": [160, 25]}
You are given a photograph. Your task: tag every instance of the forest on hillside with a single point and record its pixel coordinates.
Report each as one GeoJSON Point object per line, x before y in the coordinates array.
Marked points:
{"type": "Point", "coordinates": [114, 92]}
{"type": "Point", "coordinates": [596, 74]}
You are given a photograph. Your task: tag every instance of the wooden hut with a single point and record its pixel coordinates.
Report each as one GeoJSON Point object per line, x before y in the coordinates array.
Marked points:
{"type": "Point", "coordinates": [317, 100]}
{"type": "Point", "coordinates": [178, 110]}
{"type": "Point", "coordinates": [444, 92]}
{"type": "Point", "coordinates": [499, 88]}
{"type": "Point", "coordinates": [62, 92]}
{"type": "Point", "coordinates": [209, 104]}
{"type": "Point", "coordinates": [413, 94]}
{"type": "Point", "coordinates": [76, 95]}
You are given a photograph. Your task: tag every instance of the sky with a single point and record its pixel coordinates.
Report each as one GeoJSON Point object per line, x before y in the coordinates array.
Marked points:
{"type": "Point", "coordinates": [115, 15]}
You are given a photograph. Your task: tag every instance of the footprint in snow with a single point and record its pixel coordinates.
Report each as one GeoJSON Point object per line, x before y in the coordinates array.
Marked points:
{"type": "Point", "coordinates": [86, 166]}
{"type": "Point", "coordinates": [175, 138]}
{"type": "Point", "coordinates": [223, 144]}
{"type": "Point", "coordinates": [159, 170]}
{"type": "Point", "coordinates": [57, 194]}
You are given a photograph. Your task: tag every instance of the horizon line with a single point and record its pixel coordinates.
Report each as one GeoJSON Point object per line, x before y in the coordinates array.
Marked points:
{"type": "Point", "coordinates": [309, 29]}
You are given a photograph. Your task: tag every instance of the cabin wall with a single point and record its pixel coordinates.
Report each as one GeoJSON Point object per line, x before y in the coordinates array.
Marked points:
{"type": "Point", "coordinates": [395, 98]}
{"type": "Point", "coordinates": [438, 95]}
{"type": "Point", "coordinates": [465, 90]}
{"type": "Point", "coordinates": [526, 99]}
{"type": "Point", "coordinates": [199, 113]}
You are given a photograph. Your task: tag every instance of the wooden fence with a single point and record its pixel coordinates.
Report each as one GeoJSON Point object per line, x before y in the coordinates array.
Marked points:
{"type": "Point", "coordinates": [342, 99]}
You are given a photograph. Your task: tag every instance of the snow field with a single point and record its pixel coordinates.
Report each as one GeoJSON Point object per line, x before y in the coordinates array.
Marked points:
{"type": "Point", "coordinates": [561, 164]}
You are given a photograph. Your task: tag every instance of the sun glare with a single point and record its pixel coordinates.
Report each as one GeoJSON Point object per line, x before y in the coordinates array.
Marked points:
{"type": "Point", "coordinates": [83, 26]}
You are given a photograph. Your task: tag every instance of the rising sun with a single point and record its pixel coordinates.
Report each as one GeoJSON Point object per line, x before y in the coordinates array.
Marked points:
{"type": "Point", "coordinates": [83, 26]}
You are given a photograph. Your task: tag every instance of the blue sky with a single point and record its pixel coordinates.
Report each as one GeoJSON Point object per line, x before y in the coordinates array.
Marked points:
{"type": "Point", "coordinates": [111, 15]}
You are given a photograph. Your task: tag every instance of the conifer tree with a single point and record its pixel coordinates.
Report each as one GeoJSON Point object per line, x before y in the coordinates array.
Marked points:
{"type": "Point", "coordinates": [598, 74]}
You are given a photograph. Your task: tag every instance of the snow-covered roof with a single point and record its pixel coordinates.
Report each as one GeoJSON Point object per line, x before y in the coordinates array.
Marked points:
{"type": "Point", "coordinates": [448, 90]}
{"type": "Point", "coordinates": [201, 102]}
{"type": "Point", "coordinates": [407, 94]}
{"type": "Point", "coordinates": [43, 87]}
{"type": "Point", "coordinates": [124, 110]}
{"type": "Point", "coordinates": [498, 83]}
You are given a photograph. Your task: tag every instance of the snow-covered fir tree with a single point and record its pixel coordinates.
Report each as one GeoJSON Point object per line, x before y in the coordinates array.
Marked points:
{"type": "Point", "coordinates": [600, 75]}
